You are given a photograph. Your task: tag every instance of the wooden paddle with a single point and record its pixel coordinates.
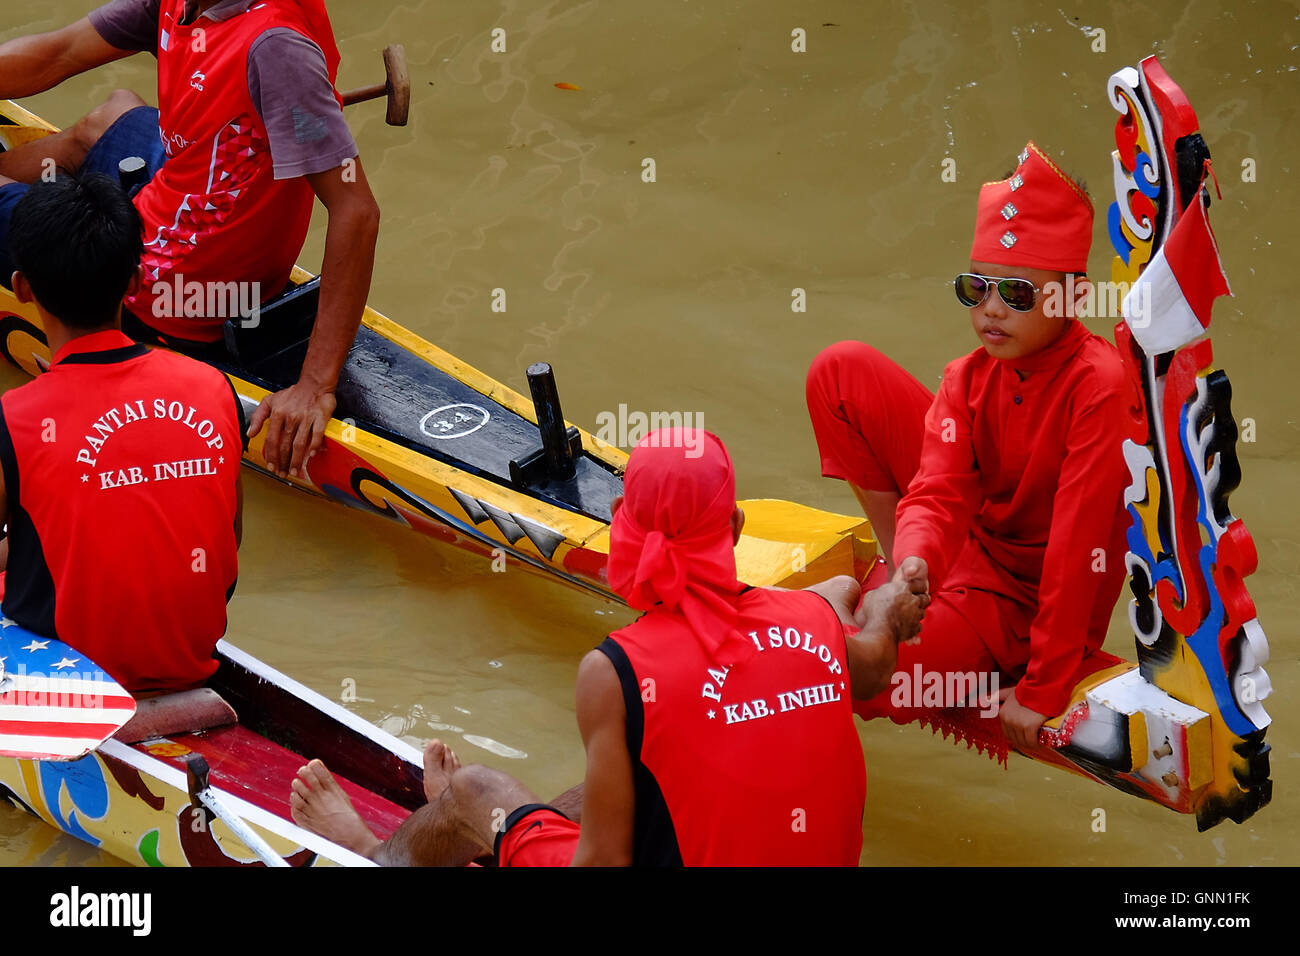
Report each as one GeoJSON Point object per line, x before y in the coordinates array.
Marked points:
{"type": "Point", "coordinates": [397, 87]}
{"type": "Point", "coordinates": [202, 795]}
{"type": "Point", "coordinates": [55, 703]}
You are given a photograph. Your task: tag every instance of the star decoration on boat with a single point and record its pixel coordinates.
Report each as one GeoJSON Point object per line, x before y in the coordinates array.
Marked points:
{"type": "Point", "coordinates": [35, 646]}
{"type": "Point", "coordinates": [712, 715]}
{"type": "Point", "coordinates": [66, 663]}
{"type": "Point", "coordinates": [5, 622]}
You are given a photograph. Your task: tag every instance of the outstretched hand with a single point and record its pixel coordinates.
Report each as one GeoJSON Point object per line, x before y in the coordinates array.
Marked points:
{"type": "Point", "coordinates": [916, 574]}
{"type": "Point", "coordinates": [898, 606]}
{"type": "Point", "coordinates": [295, 420]}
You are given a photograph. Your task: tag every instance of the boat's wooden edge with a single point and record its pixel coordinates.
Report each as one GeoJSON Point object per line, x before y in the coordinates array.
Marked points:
{"type": "Point", "coordinates": [175, 778]}
{"type": "Point", "coordinates": [23, 117]}
{"type": "Point", "coordinates": [475, 378]}
{"type": "Point", "coordinates": [320, 703]}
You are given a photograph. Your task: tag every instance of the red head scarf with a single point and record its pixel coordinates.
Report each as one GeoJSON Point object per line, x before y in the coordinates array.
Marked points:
{"type": "Point", "coordinates": [1037, 218]}
{"type": "Point", "coordinates": [670, 546]}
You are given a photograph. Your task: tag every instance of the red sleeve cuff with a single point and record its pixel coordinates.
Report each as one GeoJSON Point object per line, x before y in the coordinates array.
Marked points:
{"type": "Point", "coordinates": [1048, 701]}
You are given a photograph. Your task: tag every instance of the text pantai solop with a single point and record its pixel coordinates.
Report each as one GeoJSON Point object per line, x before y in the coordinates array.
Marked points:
{"type": "Point", "coordinates": [160, 410]}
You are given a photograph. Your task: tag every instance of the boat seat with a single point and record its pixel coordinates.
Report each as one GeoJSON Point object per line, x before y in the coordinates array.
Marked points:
{"type": "Point", "coordinates": [186, 711]}
{"type": "Point", "coordinates": [283, 322]}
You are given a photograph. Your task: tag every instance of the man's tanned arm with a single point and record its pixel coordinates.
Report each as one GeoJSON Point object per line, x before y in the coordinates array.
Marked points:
{"type": "Point", "coordinates": [889, 614]}
{"type": "Point", "coordinates": [40, 62]}
{"type": "Point", "coordinates": [296, 417]}
{"type": "Point", "coordinates": [609, 799]}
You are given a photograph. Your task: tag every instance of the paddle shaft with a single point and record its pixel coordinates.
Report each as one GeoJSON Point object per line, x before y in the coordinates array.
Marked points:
{"type": "Point", "coordinates": [201, 792]}
{"type": "Point", "coordinates": [364, 93]}
{"type": "Point", "coordinates": [241, 829]}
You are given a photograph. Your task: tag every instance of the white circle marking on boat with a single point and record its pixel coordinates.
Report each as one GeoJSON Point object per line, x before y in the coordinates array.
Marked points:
{"type": "Point", "coordinates": [453, 421]}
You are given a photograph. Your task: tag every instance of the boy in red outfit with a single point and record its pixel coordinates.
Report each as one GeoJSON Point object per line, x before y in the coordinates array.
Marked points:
{"type": "Point", "coordinates": [1012, 496]}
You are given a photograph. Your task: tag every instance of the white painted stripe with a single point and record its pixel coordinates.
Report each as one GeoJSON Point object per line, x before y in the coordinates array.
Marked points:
{"type": "Point", "coordinates": [56, 746]}
{"type": "Point", "coordinates": [66, 715]}
{"type": "Point", "coordinates": [330, 709]}
{"type": "Point", "coordinates": [1157, 311]}
{"type": "Point", "coordinates": [212, 163]}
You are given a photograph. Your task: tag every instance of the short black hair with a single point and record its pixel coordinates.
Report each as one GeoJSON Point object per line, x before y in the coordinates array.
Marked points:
{"type": "Point", "coordinates": [77, 240]}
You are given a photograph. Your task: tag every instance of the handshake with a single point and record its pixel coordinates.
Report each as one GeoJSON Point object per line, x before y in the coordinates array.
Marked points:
{"type": "Point", "coordinates": [898, 606]}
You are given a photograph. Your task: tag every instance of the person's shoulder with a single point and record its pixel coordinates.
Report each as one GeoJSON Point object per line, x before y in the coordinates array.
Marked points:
{"type": "Point", "coordinates": [958, 373]}
{"type": "Point", "coordinates": [24, 395]}
{"type": "Point", "coordinates": [282, 37]}
{"type": "Point", "coordinates": [281, 50]}
{"type": "Point", "coordinates": [189, 370]}
{"type": "Point", "coordinates": [1099, 366]}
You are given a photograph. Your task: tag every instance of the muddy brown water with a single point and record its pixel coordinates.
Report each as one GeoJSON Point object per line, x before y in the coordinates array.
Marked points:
{"type": "Point", "coordinates": [775, 170]}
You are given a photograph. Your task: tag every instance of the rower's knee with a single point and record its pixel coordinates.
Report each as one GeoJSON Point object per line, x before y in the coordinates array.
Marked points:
{"type": "Point", "coordinates": [95, 124]}
{"type": "Point", "coordinates": [832, 361]}
{"type": "Point", "coordinates": [482, 794]}
{"type": "Point", "coordinates": [475, 782]}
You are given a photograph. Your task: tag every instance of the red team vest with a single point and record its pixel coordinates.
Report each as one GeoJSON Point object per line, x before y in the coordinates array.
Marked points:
{"type": "Point", "coordinates": [215, 211]}
{"type": "Point", "coordinates": [756, 765]}
{"type": "Point", "coordinates": [120, 466]}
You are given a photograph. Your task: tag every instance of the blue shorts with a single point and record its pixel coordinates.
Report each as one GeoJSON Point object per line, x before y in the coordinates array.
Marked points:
{"type": "Point", "coordinates": [134, 133]}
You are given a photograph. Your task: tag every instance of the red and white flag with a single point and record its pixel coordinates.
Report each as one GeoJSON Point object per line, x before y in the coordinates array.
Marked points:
{"type": "Point", "coordinates": [54, 703]}
{"type": "Point", "coordinates": [1171, 301]}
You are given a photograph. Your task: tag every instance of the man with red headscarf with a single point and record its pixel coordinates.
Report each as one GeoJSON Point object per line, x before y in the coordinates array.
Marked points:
{"type": "Point", "coordinates": [718, 726]}
{"type": "Point", "coordinates": [1008, 484]}
{"type": "Point", "coordinates": [249, 130]}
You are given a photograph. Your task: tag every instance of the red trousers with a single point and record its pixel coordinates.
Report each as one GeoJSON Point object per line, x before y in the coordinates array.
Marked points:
{"type": "Point", "coordinates": [868, 416]}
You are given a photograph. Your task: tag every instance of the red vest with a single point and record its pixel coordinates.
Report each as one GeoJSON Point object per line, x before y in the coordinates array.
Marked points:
{"type": "Point", "coordinates": [120, 466]}
{"type": "Point", "coordinates": [215, 212]}
{"type": "Point", "coordinates": [756, 765]}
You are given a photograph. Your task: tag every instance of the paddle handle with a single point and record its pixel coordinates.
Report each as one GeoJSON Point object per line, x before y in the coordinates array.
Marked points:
{"type": "Point", "coordinates": [560, 463]}
{"type": "Point", "coordinates": [361, 94]}
{"type": "Point", "coordinates": [201, 793]}
{"type": "Point", "coordinates": [397, 87]}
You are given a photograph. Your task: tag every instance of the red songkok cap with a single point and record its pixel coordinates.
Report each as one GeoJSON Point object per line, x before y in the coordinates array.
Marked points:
{"type": "Point", "coordinates": [1038, 218]}
{"type": "Point", "coordinates": [670, 545]}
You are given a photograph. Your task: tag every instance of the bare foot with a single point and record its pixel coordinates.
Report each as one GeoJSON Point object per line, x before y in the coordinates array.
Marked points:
{"type": "Point", "coordinates": [319, 804]}
{"type": "Point", "coordinates": [440, 762]}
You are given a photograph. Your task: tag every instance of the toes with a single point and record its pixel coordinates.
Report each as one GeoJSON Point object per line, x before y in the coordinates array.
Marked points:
{"type": "Point", "coordinates": [317, 776]}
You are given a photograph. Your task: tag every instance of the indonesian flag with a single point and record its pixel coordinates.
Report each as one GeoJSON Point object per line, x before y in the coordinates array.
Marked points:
{"type": "Point", "coordinates": [1171, 301]}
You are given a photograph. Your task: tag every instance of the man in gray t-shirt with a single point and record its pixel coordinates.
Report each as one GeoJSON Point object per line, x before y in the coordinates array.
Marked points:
{"type": "Point", "coordinates": [289, 85]}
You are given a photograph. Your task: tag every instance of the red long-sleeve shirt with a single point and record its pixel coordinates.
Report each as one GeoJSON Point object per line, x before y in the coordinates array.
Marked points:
{"type": "Point", "coordinates": [1020, 492]}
